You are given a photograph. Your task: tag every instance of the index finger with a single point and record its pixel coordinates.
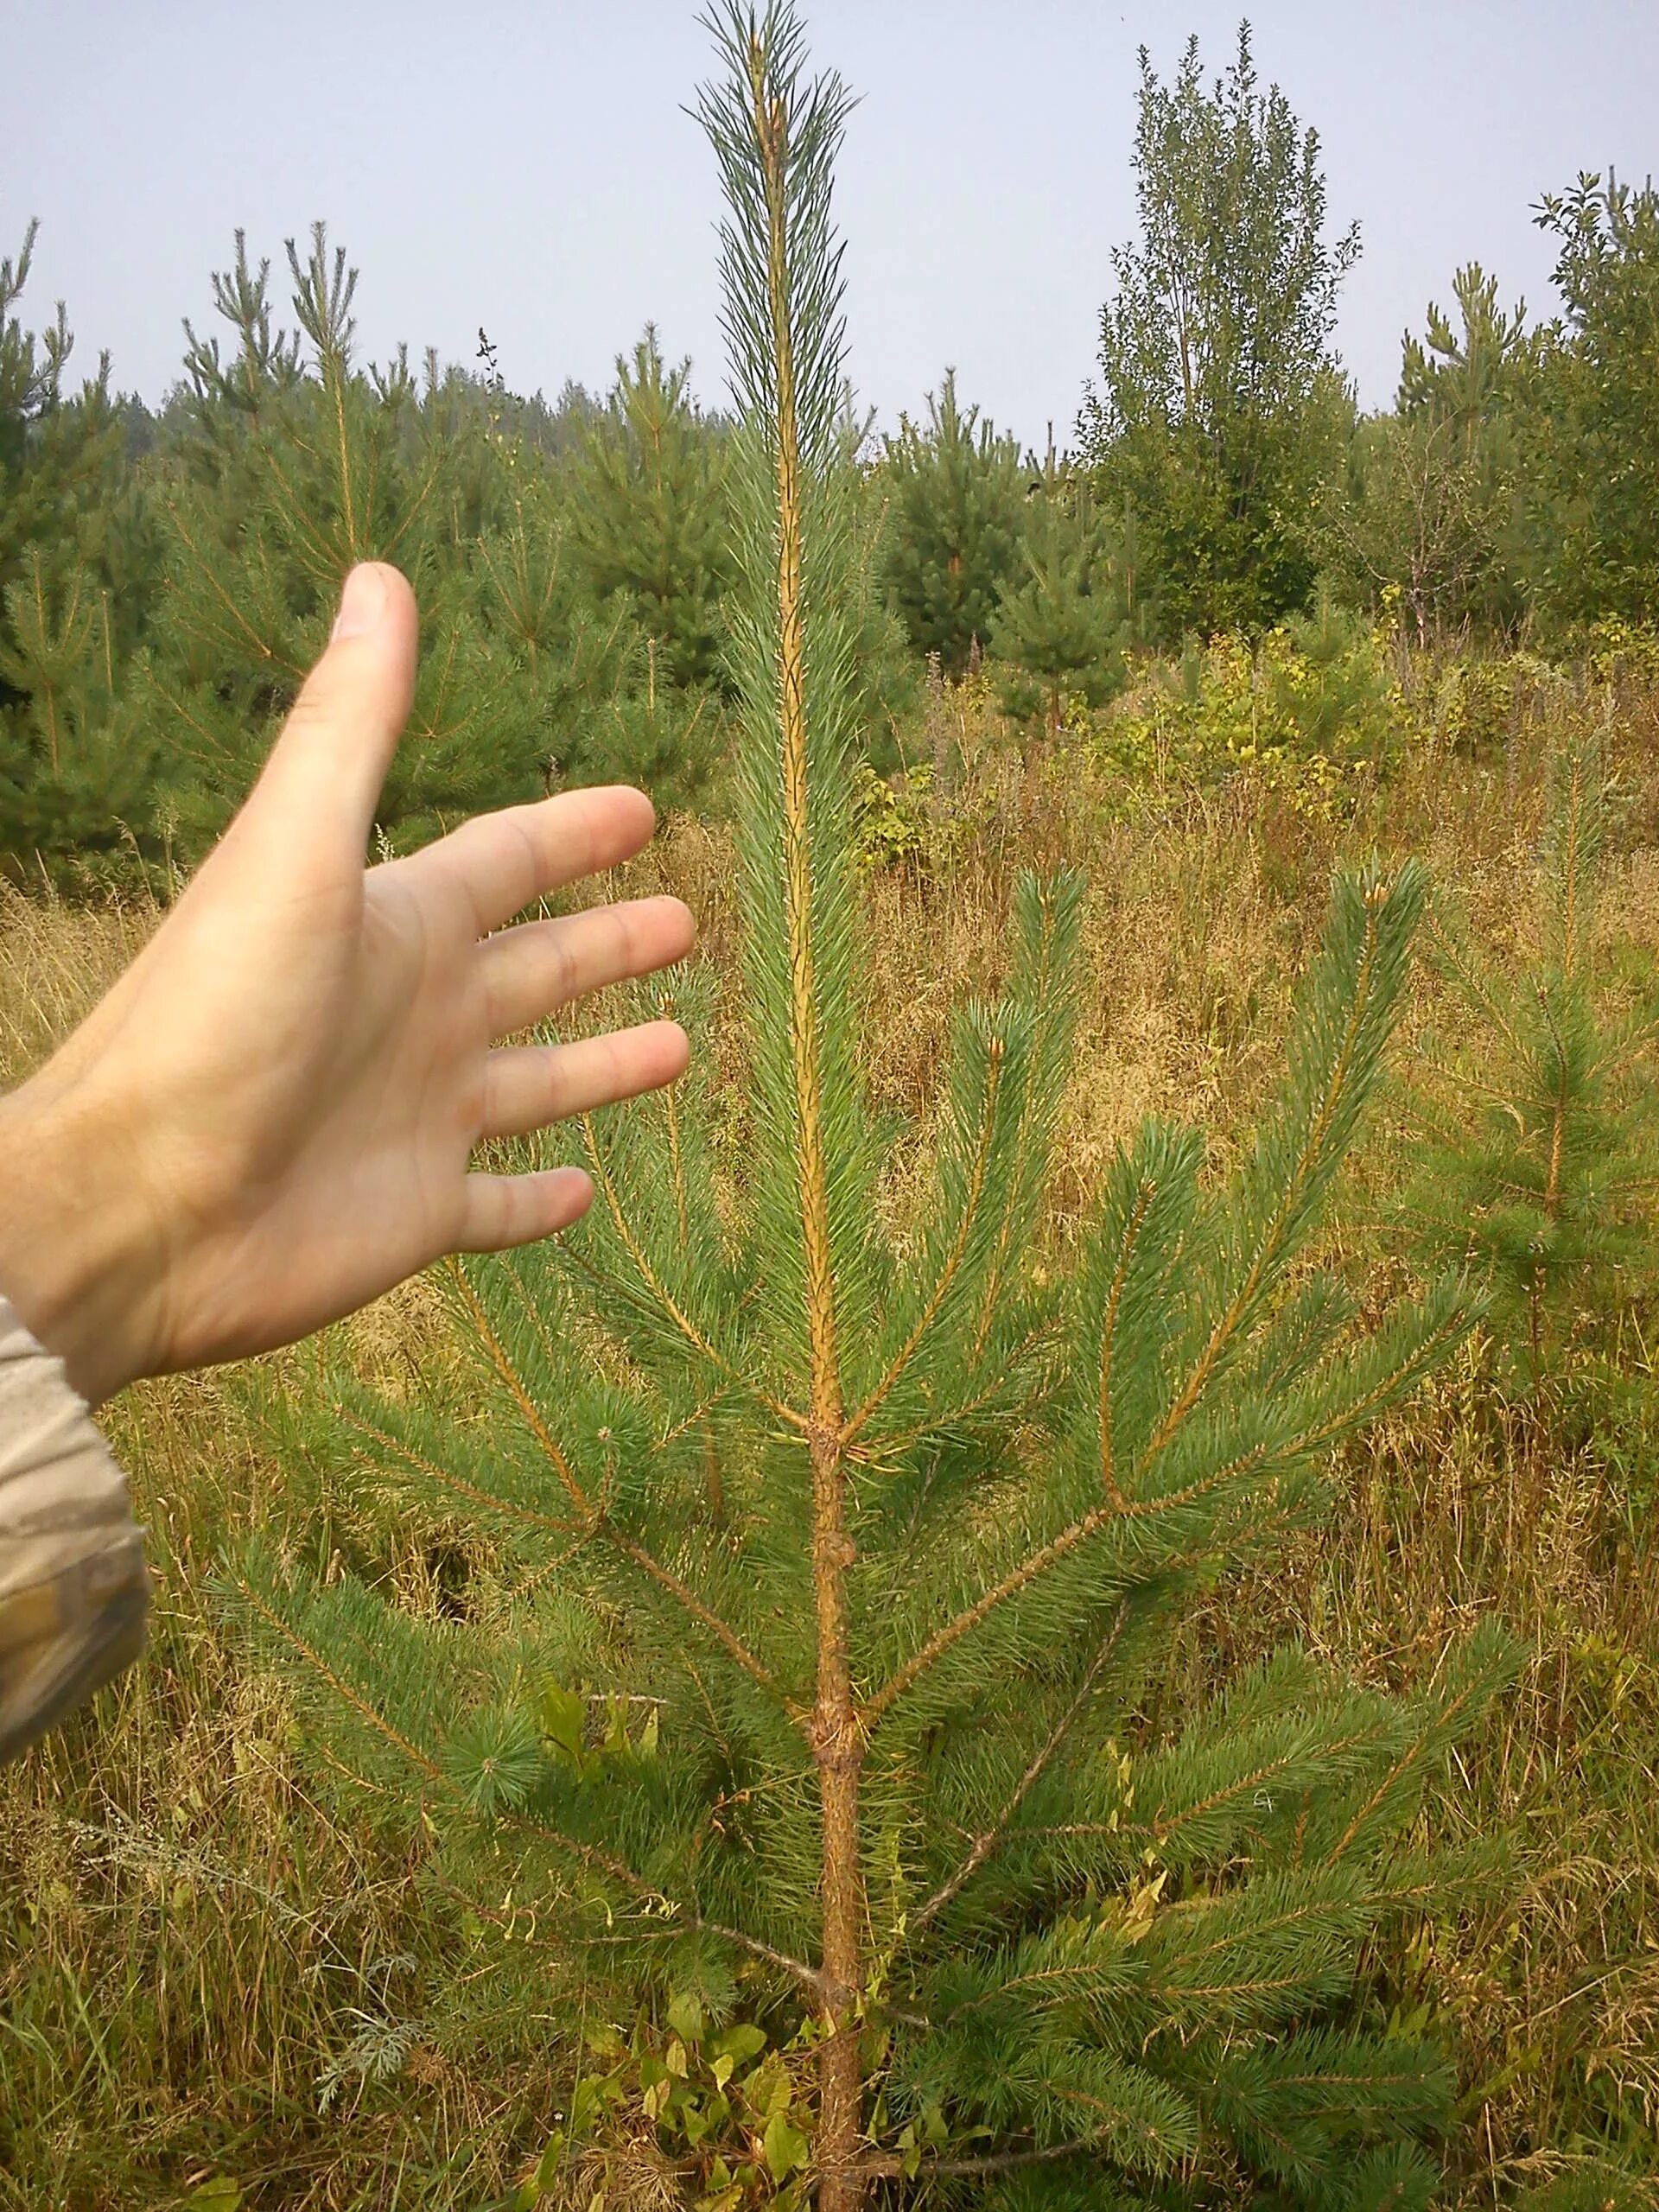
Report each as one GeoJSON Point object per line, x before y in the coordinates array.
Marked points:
{"type": "Point", "coordinates": [501, 863]}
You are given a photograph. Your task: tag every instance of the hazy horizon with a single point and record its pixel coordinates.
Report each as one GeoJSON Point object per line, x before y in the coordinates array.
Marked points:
{"type": "Point", "coordinates": [533, 170]}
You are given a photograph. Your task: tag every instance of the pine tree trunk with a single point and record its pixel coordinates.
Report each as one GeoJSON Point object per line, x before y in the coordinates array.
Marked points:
{"type": "Point", "coordinates": [839, 1753]}
{"type": "Point", "coordinates": [837, 1743]}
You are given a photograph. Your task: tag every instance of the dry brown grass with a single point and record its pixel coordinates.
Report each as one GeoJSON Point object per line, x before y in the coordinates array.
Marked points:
{"type": "Point", "coordinates": [190, 1936]}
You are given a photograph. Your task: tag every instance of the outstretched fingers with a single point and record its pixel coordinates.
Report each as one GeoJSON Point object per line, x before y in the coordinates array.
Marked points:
{"type": "Point", "coordinates": [529, 971]}
{"type": "Point", "coordinates": [527, 1086]}
{"type": "Point", "coordinates": [498, 864]}
{"type": "Point", "coordinates": [531, 1085]}
{"type": "Point", "coordinates": [499, 1211]}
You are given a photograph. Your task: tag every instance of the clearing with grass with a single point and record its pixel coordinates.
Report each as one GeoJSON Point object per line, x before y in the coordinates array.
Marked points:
{"type": "Point", "coordinates": [1053, 1601]}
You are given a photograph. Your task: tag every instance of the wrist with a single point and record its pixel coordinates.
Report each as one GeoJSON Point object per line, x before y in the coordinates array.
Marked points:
{"type": "Point", "coordinates": [80, 1262]}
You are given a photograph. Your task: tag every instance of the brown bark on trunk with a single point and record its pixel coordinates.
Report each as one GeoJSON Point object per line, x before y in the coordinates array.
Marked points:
{"type": "Point", "coordinates": [839, 1749]}
{"type": "Point", "coordinates": [836, 1735]}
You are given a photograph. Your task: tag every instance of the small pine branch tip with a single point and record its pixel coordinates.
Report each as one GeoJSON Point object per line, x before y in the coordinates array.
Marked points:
{"type": "Point", "coordinates": [836, 1569]}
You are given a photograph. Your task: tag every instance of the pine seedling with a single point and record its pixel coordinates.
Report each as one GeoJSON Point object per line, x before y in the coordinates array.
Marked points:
{"type": "Point", "coordinates": [953, 489]}
{"type": "Point", "coordinates": [73, 783]}
{"type": "Point", "coordinates": [1063, 624]}
{"type": "Point", "coordinates": [301, 458]}
{"type": "Point", "coordinates": [1537, 1129]}
{"type": "Point", "coordinates": [845, 1564]}
{"type": "Point", "coordinates": [648, 510]}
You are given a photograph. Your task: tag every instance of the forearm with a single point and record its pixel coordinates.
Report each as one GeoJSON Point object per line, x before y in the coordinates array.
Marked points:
{"type": "Point", "coordinates": [74, 1593]}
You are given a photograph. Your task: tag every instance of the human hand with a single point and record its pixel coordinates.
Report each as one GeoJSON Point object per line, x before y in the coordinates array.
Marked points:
{"type": "Point", "coordinates": [269, 1120]}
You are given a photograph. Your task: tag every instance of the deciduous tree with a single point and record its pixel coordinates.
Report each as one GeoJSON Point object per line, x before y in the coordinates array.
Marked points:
{"type": "Point", "coordinates": [1220, 407]}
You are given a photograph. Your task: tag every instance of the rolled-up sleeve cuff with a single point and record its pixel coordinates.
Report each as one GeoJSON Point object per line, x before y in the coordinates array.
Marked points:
{"type": "Point", "coordinates": [74, 1591]}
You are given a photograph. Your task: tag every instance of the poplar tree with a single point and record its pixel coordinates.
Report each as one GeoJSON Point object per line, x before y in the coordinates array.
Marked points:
{"type": "Point", "coordinates": [1594, 435]}
{"type": "Point", "coordinates": [1220, 407]}
{"type": "Point", "coordinates": [822, 1724]}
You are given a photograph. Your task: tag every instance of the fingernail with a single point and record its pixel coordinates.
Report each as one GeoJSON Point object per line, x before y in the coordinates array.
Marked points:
{"type": "Point", "coordinates": [361, 603]}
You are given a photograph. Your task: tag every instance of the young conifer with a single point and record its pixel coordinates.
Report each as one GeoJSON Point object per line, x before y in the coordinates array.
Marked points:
{"type": "Point", "coordinates": [301, 458]}
{"type": "Point", "coordinates": [954, 488]}
{"type": "Point", "coordinates": [1063, 626]}
{"type": "Point", "coordinates": [1536, 1127]}
{"type": "Point", "coordinates": [820, 1725]}
{"type": "Point", "coordinates": [74, 774]}
{"type": "Point", "coordinates": [648, 510]}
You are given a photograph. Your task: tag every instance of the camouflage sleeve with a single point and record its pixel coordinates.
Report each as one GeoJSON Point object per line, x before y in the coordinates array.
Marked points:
{"type": "Point", "coordinates": [73, 1588]}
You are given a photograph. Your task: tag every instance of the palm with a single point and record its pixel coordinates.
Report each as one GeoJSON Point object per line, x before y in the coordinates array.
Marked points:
{"type": "Point", "coordinates": [294, 1076]}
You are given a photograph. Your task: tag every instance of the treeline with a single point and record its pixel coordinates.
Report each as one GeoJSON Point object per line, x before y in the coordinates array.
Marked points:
{"type": "Point", "coordinates": [166, 577]}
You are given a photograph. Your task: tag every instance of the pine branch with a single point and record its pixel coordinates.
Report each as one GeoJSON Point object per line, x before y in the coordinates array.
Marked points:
{"type": "Point", "coordinates": [676, 1158]}
{"type": "Point", "coordinates": [597, 1525]}
{"type": "Point", "coordinates": [682, 1916]}
{"type": "Point", "coordinates": [954, 1257]}
{"type": "Point", "coordinates": [1306, 1940]}
{"type": "Point", "coordinates": [210, 570]}
{"type": "Point", "coordinates": [1416, 1357]}
{"type": "Point", "coordinates": [896, 1444]}
{"type": "Point", "coordinates": [590, 1855]}
{"type": "Point", "coordinates": [882, 2166]}
{"type": "Point", "coordinates": [689, 1422]}
{"type": "Point", "coordinates": [1058, 907]}
{"type": "Point", "coordinates": [1132, 1229]}
{"type": "Point", "coordinates": [1328, 1753]}
{"type": "Point", "coordinates": [396, 535]}
{"type": "Point", "coordinates": [726, 1637]}
{"type": "Point", "coordinates": [670, 1306]}
{"type": "Point", "coordinates": [552, 1450]}
{"type": "Point", "coordinates": [297, 510]}
{"type": "Point", "coordinates": [881, 1702]}
{"type": "Point", "coordinates": [446, 1478]}
{"type": "Point", "coordinates": [988, 1839]}
{"type": "Point", "coordinates": [1486, 1662]}
{"type": "Point", "coordinates": [1475, 987]}
{"type": "Point", "coordinates": [372, 1718]}
{"type": "Point", "coordinates": [1348, 1413]}
{"type": "Point", "coordinates": [1271, 1245]}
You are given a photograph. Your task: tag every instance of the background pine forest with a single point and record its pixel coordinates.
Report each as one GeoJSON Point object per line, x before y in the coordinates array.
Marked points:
{"type": "Point", "coordinates": [1102, 723]}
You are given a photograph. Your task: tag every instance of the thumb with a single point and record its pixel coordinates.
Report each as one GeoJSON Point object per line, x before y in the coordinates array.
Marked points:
{"type": "Point", "coordinates": [323, 779]}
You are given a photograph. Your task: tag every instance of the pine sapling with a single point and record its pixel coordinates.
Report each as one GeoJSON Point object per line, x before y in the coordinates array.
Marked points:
{"type": "Point", "coordinates": [1063, 624]}
{"type": "Point", "coordinates": [1536, 1129]}
{"type": "Point", "coordinates": [837, 1567]}
{"type": "Point", "coordinates": [301, 458]}
{"type": "Point", "coordinates": [648, 510]}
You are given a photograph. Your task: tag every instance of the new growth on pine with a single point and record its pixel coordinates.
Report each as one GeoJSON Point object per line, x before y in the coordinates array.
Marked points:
{"type": "Point", "coordinates": [849, 1560]}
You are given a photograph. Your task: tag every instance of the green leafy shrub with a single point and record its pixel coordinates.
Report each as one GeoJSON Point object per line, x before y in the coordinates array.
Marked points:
{"type": "Point", "coordinates": [1304, 711]}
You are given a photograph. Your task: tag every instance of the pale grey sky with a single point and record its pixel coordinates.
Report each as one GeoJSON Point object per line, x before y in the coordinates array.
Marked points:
{"type": "Point", "coordinates": [526, 164]}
